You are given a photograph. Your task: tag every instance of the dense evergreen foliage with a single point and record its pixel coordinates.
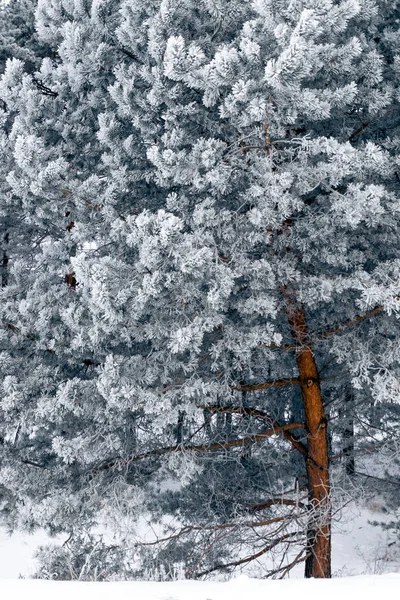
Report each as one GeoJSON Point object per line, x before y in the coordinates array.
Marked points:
{"type": "Point", "coordinates": [199, 205]}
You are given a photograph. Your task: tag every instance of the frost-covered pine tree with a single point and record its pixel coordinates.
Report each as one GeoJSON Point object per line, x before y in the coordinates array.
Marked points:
{"type": "Point", "coordinates": [215, 198]}
{"type": "Point", "coordinates": [47, 136]}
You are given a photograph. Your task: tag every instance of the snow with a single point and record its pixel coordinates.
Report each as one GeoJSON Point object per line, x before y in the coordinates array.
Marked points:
{"type": "Point", "coordinates": [358, 547]}
{"type": "Point", "coordinates": [365, 587]}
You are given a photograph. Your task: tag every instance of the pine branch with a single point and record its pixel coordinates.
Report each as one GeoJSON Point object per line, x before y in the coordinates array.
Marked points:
{"type": "Point", "coordinates": [276, 502]}
{"type": "Point", "coordinates": [348, 324]}
{"type": "Point", "coordinates": [189, 528]}
{"type": "Point", "coordinates": [377, 478]}
{"type": "Point", "coordinates": [259, 414]}
{"type": "Point", "coordinates": [360, 129]}
{"type": "Point", "coordinates": [266, 385]}
{"type": "Point", "coordinates": [235, 443]}
{"type": "Point", "coordinates": [43, 89]}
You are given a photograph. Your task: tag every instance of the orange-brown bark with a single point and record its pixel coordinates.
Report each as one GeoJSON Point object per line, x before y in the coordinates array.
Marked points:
{"type": "Point", "coordinates": [318, 563]}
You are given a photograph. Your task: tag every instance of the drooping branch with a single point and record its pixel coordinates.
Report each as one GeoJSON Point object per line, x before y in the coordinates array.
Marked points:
{"type": "Point", "coordinates": [234, 443]}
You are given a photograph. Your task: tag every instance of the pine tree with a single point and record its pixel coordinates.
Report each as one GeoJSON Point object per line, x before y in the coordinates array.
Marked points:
{"type": "Point", "coordinates": [213, 194]}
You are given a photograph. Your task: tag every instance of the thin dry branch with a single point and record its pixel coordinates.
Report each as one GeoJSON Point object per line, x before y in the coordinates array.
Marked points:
{"type": "Point", "coordinates": [299, 559]}
{"type": "Point", "coordinates": [277, 347]}
{"type": "Point", "coordinates": [243, 561]}
{"type": "Point", "coordinates": [32, 463]}
{"type": "Point", "coordinates": [364, 125]}
{"type": "Point", "coordinates": [266, 385]}
{"type": "Point", "coordinates": [366, 449]}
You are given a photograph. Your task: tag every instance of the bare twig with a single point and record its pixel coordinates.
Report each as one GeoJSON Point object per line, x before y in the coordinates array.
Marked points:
{"type": "Point", "coordinates": [371, 448]}
{"type": "Point", "coordinates": [32, 463]}
{"type": "Point", "coordinates": [360, 129]}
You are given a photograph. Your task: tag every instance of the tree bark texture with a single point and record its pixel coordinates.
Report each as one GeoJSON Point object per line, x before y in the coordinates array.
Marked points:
{"type": "Point", "coordinates": [318, 562]}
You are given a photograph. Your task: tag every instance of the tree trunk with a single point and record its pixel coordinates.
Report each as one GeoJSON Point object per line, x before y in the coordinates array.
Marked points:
{"type": "Point", "coordinates": [318, 562]}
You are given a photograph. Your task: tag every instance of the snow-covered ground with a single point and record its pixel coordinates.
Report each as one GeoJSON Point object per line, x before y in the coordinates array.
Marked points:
{"type": "Point", "coordinates": [366, 587]}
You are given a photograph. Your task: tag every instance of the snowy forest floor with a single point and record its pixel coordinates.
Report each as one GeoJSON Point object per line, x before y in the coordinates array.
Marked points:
{"type": "Point", "coordinates": [368, 587]}
{"type": "Point", "coordinates": [359, 548]}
